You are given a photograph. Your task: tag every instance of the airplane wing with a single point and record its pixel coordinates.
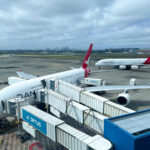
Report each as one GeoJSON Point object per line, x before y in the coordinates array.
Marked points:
{"type": "Point", "coordinates": [116, 87]}
{"type": "Point", "coordinates": [24, 75]}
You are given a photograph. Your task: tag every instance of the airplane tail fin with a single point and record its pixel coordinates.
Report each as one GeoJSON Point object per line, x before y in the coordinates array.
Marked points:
{"type": "Point", "coordinates": [86, 61]}
{"type": "Point", "coordinates": [147, 61]}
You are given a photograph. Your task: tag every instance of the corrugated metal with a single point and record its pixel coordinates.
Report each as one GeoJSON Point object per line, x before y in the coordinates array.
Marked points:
{"type": "Point", "coordinates": [112, 109]}
{"type": "Point", "coordinates": [28, 128]}
{"type": "Point", "coordinates": [51, 132]}
{"type": "Point", "coordinates": [71, 138]}
{"type": "Point", "coordinates": [94, 120]}
{"type": "Point", "coordinates": [92, 100]}
{"type": "Point", "coordinates": [57, 100]}
{"type": "Point", "coordinates": [68, 90]}
{"type": "Point", "coordinates": [75, 110]}
{"type": "Point", "coordinates": [43, 122]}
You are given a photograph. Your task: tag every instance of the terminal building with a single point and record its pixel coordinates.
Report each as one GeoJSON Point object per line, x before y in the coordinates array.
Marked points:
{"type": "Point", "coordinates": [129, 131]}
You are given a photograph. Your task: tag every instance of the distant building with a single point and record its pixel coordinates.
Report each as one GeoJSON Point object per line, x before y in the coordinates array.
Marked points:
{"type": "Point", "coordinates": [144, 52]}
{"type": "Point", "coordinates": [108, 52]}
{"type": "Point", "coordinates": [44, 52]}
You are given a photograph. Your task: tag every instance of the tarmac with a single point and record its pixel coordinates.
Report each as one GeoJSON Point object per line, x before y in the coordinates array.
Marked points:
{"type": "Point", "coordinates": [9, 65]}
{"type": "Point", "coordinates": [140, 99]}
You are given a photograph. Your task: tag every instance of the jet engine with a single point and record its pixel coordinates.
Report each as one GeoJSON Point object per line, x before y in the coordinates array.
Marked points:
{"type": "Point", "coordinates": [123, 98]}
{"type": "Point", "coordinates": [122, 67]}
{"type": "Point", "coordinates": [134, 67]}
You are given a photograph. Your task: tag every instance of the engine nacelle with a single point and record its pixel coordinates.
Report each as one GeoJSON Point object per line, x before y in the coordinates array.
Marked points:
{"type": "Point", "coordinates": [122, 67]}
{"type": "Point", "coordinates": [134, 67]}
{"type": "Point", "coordinates": [123, 99]}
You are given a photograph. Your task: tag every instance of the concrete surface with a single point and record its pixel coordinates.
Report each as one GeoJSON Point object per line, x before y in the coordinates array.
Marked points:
{"type": "Point", "coordinates": [140, 99]}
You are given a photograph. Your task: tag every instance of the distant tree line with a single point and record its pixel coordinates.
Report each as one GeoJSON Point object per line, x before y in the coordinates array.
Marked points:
{"type": "Point", "coordinates": [50, 51]}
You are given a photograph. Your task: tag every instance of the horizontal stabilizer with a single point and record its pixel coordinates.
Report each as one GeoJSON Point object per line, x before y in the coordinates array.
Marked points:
{"type": "Point", "coordinates": [24, 75]}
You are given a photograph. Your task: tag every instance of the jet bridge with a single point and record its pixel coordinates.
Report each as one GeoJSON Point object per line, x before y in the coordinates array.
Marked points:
{"type": "Point", "coordinates": [13, 106]}
{"type": "Point", "coordinates": [61, 97]}
{"type": "Point", "coordinates": [60, 132]}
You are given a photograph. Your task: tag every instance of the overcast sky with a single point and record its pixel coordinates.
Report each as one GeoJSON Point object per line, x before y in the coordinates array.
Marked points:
{"type": "Point", "coordinates": [35, 24]}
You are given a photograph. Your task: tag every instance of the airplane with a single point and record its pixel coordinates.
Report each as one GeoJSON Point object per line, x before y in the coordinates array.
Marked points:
{"type": "Point", "coordinates": [25, 87]}
{"type": "Point", "coordinates": [133, 63]}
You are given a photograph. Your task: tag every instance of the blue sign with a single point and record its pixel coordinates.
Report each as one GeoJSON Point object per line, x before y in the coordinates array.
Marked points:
{"type": "Point", "coordinates": [34, 121]}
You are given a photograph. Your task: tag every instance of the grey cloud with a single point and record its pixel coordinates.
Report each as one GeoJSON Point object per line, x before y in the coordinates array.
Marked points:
{"type": "Point", "coordinates": [56, 23]}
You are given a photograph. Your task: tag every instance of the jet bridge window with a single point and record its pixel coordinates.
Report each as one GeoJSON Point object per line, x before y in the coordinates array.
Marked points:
{"type": "Point", "coordinates": [3, 105]}
{"type": "Point", "coordinates": [42, 96]}
{"type": "Point", "coordinates": [52, 85]}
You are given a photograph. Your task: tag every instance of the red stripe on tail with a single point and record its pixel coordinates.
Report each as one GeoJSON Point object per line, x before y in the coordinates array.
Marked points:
{"type": "Point", "coordinates": [147, 61]}
{"type": "Point", "coordinates": [86, 61]}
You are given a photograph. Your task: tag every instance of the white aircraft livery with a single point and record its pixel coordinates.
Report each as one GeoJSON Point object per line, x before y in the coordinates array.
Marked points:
{"type": "Point", "coordinates": [27, 86]}
{"type": "Point", "coordinates": [133, 63]}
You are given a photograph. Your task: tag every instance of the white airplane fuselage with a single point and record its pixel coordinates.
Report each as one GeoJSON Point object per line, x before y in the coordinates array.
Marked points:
{"type": "Point", "coordinates": [28, 86]}
{"type": "Point", "coordinates": [22, 87]}
{"type": "Point", "coordinates": [122, 62]}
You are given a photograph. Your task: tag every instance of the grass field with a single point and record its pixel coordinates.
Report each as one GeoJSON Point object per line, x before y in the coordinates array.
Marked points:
{"type": "Point", "coordinates": [53, 56]}
{"type": "Point", "coordinates": [118, 55]}
{"type": "Point", "coordinates": [95, 56]}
